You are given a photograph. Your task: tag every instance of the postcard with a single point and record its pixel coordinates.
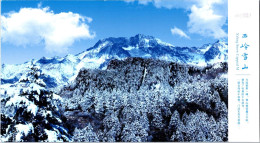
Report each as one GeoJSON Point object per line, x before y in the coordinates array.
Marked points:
{"type": "Point", "coordinates": [130, 71]}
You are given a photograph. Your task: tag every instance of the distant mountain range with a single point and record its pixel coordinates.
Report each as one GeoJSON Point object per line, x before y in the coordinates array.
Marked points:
{"type": "Point", "coordinates": [60, 70]}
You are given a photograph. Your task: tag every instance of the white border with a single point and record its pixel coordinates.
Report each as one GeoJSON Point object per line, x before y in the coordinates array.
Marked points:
{"type": "Point", "coordinates": [243, 18]}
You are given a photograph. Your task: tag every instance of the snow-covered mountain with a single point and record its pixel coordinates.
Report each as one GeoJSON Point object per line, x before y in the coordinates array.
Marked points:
{"type": "Point", "coordinates": [121, 89]}
{"type": "Point", "coordinates": [59, 70]}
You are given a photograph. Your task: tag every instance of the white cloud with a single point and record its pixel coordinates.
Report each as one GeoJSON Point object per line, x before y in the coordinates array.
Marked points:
{"type": "Point", "coordinates": [177, 31]}
{"type": "Point", "coordinates": [128, 1]}
{"type": "Point", "coordinates": [206, 17]}
{"type": "Point", "coordinates": [204, 21]}
{"type": "Point", "coordinates": [173, 3]}
{"type": "Point", "coordinates": [166, 3]}
{"type": "Point", "coordinates": [144, 2]}
{"type": "Point", "coordinates": [31, 26]}
{"type": "Point", "coordinates": [89, 19]}
{"type": "Point", "coordinates": [39, 5]}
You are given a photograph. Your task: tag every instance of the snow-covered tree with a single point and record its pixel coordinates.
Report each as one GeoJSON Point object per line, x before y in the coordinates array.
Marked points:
{"type": "Point", "coordinates": [36, 114]}
{"type": "Point", "coordinates": [112, 127]}
{"type": "Point", "coordinates": [85, 135]}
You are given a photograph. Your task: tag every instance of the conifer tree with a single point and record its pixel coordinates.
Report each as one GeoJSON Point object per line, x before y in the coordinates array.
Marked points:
{"type": "Point", "coordinates": [36, 112]}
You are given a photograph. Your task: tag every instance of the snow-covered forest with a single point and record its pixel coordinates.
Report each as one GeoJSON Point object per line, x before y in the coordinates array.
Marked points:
{"type": "Point", "coordinates": [132, 100]}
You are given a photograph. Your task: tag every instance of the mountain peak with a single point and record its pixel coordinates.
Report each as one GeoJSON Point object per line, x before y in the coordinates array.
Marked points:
{"type": "Point", "coordinates": [142, 36]}
{"type": "Point", "coordinates": [223, 40]}
{"type": "Point", "coordinates": [137, 37]}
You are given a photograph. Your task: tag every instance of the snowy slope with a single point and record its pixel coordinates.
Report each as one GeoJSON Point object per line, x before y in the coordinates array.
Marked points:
{"type": "Point", "coordinates": [60, 70]}
{"type": "Point", "coordinates": [139, 99]}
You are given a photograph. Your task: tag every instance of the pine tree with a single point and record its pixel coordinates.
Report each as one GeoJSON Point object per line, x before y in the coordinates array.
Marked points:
{"type": "Point", "coordinates": [85, 135]}
{"type": "Point", "coordinates": [112, 127]}
{"type": "Point", "coordinates": [37, 116]}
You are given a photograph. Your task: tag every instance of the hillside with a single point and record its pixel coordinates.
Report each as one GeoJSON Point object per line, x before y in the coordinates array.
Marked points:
{"type": "Point", "coordinates": [149, 100]}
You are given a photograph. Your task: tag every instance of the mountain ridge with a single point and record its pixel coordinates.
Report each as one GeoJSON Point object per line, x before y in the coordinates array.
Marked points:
{"type": "Point", "coordinates": [64, 69]}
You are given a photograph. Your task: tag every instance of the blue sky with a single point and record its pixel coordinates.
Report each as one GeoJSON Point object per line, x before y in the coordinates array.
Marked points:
{"type": "Point", "coordinates": [33, 29]}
